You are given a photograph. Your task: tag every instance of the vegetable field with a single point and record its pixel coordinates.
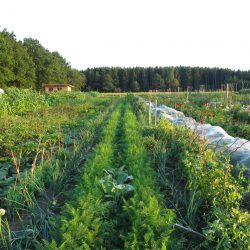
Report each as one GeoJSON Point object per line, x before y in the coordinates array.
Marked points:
{"type": "Point", "coordinates": [88, 171]}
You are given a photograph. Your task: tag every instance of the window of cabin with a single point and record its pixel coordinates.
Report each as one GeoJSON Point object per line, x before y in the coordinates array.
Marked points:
{"type": "Point", "coordinates": [51, 89]}
{"type": "Point", "coordinates": [59, 88]}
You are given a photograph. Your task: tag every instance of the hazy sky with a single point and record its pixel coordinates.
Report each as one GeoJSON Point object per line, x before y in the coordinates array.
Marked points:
{"type": "Point", "coordinates": [92, 33]}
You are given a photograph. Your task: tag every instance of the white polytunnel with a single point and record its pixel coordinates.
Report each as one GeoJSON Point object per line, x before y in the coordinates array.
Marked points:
{"type": "Point", "coordinates": [215, 136]}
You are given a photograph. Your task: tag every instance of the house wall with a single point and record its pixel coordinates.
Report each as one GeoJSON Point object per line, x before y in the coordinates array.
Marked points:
{"type": "Point", "coordinates": [63, 88]}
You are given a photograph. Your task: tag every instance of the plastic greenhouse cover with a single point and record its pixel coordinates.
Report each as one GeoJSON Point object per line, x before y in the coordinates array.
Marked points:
{"type": "Point", "coordinates": [215, 136]}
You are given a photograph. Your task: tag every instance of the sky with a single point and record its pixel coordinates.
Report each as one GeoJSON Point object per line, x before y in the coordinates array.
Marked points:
{"type": "Point", "coordinates": [127, 33]}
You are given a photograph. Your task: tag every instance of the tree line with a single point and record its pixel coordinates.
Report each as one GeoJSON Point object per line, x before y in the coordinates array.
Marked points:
{"type": "Point", "coordinates": [27, 64]}
{"type": "Point", "coordinates": [105, 79]}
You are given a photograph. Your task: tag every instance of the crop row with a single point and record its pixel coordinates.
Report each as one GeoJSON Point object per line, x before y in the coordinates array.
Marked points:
{"type": "Point", "coordinates": [202, 187]}
{"type": "Point", "coordinates": [25, 137]}
{"type": "Point", "coordinates": [81, 223]}
{"type": "Point", "coordinates": [151, 222]}
{"type": "Point", "coordinates": [110, 181]}
{"type": "Point", "coordinates": [211, 108]}
{"type": "Point", "coordinates": [40, 192]}
{"type": "Point", "coordinates": [117, 205]}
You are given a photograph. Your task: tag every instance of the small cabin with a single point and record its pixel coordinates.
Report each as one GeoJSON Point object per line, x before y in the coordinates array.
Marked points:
{"type": "Point", "coordinates": [57, 87]}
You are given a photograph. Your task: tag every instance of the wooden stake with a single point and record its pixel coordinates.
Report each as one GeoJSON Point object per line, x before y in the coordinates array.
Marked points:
{"type": "Point", "coordinates": [227, 95]}
{"type": "Point", "coordinates": [149, 113]}
{"type": "Point", "coordinates": [155, 112]}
